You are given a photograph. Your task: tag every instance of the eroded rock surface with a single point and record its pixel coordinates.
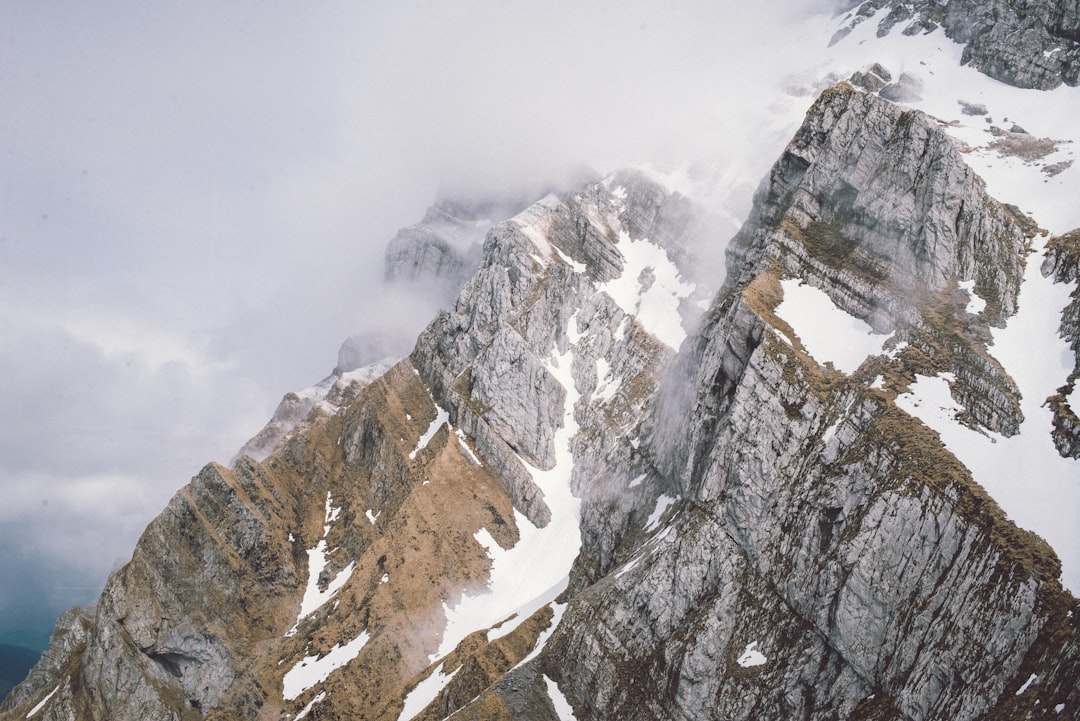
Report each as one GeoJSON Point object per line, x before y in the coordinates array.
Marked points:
{"type": "Point", "coordinates": [1062, 263]}
{"type": "Point", "coordinates": [1026, 43]}
{"type": "Point", "coordinates": [755, 533]}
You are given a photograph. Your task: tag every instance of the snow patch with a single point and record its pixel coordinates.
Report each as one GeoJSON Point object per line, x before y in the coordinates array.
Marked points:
{"type": "Point", "coordinates": [460, 434]}
{"type": "Point", "coordinates": [662, 504]}
{"type": "Point", "coordinates": [650, 288]}
{"type": "Point", "coordinates": [628, 567]}
{"type": "Point", "coordinates": [975, 304]}
{"type": "Point", "coordinates": [828, 333]}
{"type": "Point", "coordinates": [41, 704]}
{"type": "Point", "coordinates": [563, 709]}
{"type": "Point", "coordinates": [314, 597]}
{"type": "Point", "coordinates": [441, 417]}
{"type": "Point", "coordinates": [371, 516]}
{"type": "Point", "coordinates": [558, 610]}
{"type": "Point", "coordinates": [606, 384]}
{"type": "Point", "coordinates": [578, 267]}
{"type": "Point", "coordinates": [314, 670]}
{"type": "Point", "coordinates": [542, 556]}
{"type": "Point", "coordinates": [830, 431]}
{"type": "Point", "coordinates": [425, 692]}
{"type": "Point", "coordinates": [751, 656]}
{"type": "Point", "coordinates": [1031, 679]}
{"type": "Point", "coordinates": [637, 481]}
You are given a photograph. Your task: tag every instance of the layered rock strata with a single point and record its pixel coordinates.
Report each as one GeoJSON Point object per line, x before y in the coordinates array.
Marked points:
{"type": "Point", "coordinates": [1026, 43]}
{"type": "Point", "coordinates": [562, 503]}
{"type": "Point", "coordinates": [1062, 263]}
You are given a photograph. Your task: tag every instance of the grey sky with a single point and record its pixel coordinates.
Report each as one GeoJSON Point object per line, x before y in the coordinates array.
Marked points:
{"type": "Point", "coordinates": [194, 199]}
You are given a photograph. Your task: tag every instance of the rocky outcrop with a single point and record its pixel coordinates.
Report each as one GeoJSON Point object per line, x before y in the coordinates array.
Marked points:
{"type": "Point", "coordinates": [566, 497]}
{"type": "Point", "coordinates": [1026, 43]}
{"type": "Point", "coordinates": [443, 248]}
{"type": "Point", "coordinates": [295, 407]}
{"type": "Point", "coordinates": [874, 205]}
{"type": "Point", "coordinates": [1062, 263]}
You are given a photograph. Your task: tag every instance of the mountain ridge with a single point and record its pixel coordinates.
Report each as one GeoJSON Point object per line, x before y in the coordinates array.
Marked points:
{"type": "Point", "coordinates": [731, 476]}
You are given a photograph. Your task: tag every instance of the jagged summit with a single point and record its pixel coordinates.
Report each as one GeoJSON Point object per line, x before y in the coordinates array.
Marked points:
{"type": "Point", "coordinates": [603, 485]}
{"type": "Point", "coordinates": [1026, 43]}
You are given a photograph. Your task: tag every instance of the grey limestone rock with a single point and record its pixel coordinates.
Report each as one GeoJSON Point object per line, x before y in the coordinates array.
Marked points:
{"type": "Point", "coordinates": [762, 536]}
{"type": "Point", "coordinates": [874, 204]}
{"type": "Point", "coordinates": [1062, 263]}
{"type": "Point", "coordinates": [907, 89]}
{"type": "Point", "coordinates": [828, 558]}
{"type": "Point", "coordinates": [871, 79]}
{"type": "Point", "coordinates": [443, 248]}
{"type": "Point", "coordinates": [1026, 43]}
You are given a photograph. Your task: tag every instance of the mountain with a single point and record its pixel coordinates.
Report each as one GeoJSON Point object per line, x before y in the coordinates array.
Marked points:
{"type": "Point", "coordinates": [1026, 43]}
{"type": "Point", "coordinates": [636, 470]}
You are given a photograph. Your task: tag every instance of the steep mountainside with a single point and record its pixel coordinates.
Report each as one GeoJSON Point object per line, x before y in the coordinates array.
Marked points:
{"type": "Point", "coordinates": [1026, 43]}
{"type": "Point", "coordinates": [561, 504]}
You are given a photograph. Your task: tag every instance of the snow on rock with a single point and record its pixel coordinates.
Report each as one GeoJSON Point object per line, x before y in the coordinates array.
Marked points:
{"type": "Point", "coordinates": [518, 615]}
{"type": "Point", "coordinates": [314, 597]}
{"type": "Point", "coordinates": [751, 656]}
{"type": "Point", "coordinates": [319, 698]}
{"type": "Point", "coordinates": [558, 609]}
{"type": "Point", "coordinates": [542, 556]}
{"type": "Point", "coordinates": [442, 417]}
{"type": "Point", "coordinates": [976, 304]}
{"type": "Point", "coordinates": [1036, 487]}
{"type": "Point", "coordinates": [313, 670]}
{"type": "Point", "coordinates": [41, 704]}
{"type": "Point", "coordinates": [650, 288]}
{"type": "Point", "coordinates": [532, 222]}
{"type": "Point", "coordinates": [607, 385]}
{"type": "Point", "coordinates": [662, 504]}
{"type": "Point", "coordinates": [464, 444]}
{"type": "Point", "coordinates": [563, 709]}
{"type": "Point", "coordinates": [828, 333]}
{"type": "Point", "coordinates": [1031, 679]}
{"type": "Point", "coordinates": [936, 61]}
{"type": "Point", "coordinates": [425, 692]}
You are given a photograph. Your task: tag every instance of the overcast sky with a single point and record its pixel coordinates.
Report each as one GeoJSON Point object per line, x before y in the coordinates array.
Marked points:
{"type": "Point", "coordinates": [195, 198]}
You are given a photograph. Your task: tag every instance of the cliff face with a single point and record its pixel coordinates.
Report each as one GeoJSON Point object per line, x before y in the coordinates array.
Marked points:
{"type": "Point", "coordinates": [1026, 43]}
{"type": "Point", "coordinates": [562, 501]}
{"type": "Point", "coordinates": [1063, 264]}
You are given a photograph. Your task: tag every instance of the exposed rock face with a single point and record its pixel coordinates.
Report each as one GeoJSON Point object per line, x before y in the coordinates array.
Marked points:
{"type": "Point", "coordinates": [1026, 43]}
{"type": "Point", "coordinates": [296, 406]}
{"type": "Point", "coordinates": [753, 534]}
{"type": "Point", "coordinates": [1062, 262]}
{"type": "Point", "coordinates": [443, 248]}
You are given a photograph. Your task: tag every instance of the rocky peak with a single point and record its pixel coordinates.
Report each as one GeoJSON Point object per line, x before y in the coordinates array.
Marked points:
{"type": "Point", "coordinates": [1026, 43]}
{"type": "Point", "coordinates": [873, 204]}
{"type": "Point", "coordinates": [576, 496]}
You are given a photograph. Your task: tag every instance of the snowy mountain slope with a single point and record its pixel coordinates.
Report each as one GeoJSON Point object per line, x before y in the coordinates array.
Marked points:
{"type": "Point", "coordinates": [578, 497]}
